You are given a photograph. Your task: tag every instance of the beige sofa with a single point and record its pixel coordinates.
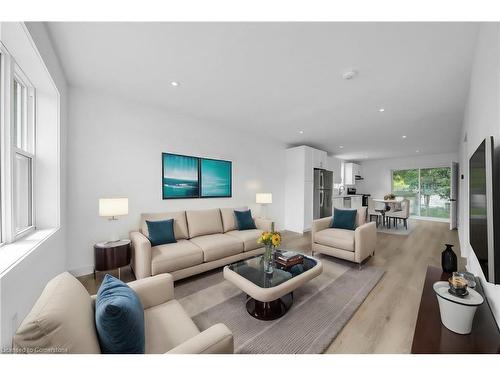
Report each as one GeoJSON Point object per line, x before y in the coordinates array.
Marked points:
{"type": "Point", "coordinates": [353, 245]}
{"type": "Point", "coordinates": [62, 321]}
{"type": "Point", "coordinates": [206, 239]}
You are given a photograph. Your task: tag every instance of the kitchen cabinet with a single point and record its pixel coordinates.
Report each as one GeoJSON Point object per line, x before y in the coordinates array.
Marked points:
{"type": "Point", "coordinates": [300, 164]}
{"type": "Point", "coordinates": [338, 202]}
{"type": "Point", "coordinates": [335, 165]}
{"type": "Point", "coordinates": [319, 158]}
{"type": "Point", "coordinates": [356, 201]}
{"type": "Point", "coordinates": [352, 172]}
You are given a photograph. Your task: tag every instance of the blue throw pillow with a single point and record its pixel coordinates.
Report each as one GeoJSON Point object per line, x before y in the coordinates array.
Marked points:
{"type": "Point", "coordinates": [119, 318]}
{"type": "Point", "coordinates": [161, 232]}
{"type": "Point", "coordinates": [244, 220]}
{"type": "Point", "coordinates": [344, 219]}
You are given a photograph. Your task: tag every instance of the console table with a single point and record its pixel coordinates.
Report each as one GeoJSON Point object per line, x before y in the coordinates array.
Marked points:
{"type": "Point", "coordinates": [431, 336]}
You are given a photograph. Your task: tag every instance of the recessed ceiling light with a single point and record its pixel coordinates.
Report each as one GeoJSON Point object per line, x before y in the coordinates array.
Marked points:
{"type": "Point", "coordinates": [417, 151]}
{"type": "Point", "coordinates": [341, 146]}
{"type": "Point", "coordinates": [404, 136]}
{"type": "Point", "coordinates": [350, 74]}
{"type": "Point", "coordinates": [381, 110]}
{"type": "Point", "coordinates": [301, 132]}
{"type": "Point", "coordinates": [174, 83]}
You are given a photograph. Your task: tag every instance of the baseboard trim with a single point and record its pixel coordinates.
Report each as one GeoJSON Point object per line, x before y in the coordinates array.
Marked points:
{"type": "Point", "coordinates": [82, 271]}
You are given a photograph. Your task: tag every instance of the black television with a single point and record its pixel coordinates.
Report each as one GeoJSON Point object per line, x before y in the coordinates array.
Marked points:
{"type": "Point", "coordinates": [481, 209]}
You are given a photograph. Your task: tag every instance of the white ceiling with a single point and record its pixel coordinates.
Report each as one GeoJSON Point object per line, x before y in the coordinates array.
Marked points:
{"type": "Point", "coordinates": [279, 78]}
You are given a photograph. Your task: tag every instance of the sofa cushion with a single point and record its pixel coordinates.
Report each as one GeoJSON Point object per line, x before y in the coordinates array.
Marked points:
{"type": "Point", "coordinates": [344, 219]}
{"type": "Point", "coordinates": [217, 246]}
{"type": "Point", "coordinates": [167, 325]}
{"type": "Point", "coordinates": [339, 238]}
{"type": "Point", "coordinates": [180, 223]}
{"type": "Point", "coordinates": [175, 256]}
{"type": "Point", "coordinates": [203, 222]}
{"type": "Point", "coordinates": [248, 237]}
{"type": "Point", "coordinates": [119, 318]}
{"type": "Point", "coordinates": [161, 232]}
{"type": "Point", "coordinates": [62, 320]}
{"type": "Point", "coordinates": [229, 218]}
{"type": "Point", "coordinates": [244, 220]}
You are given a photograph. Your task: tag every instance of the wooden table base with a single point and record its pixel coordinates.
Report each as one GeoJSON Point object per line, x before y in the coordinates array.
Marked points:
{"type": "Point", "coordinates": [269, 310]}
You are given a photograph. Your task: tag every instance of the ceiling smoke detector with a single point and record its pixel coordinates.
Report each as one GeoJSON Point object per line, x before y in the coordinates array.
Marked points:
{"type": "Point", "coordinates": [350, 74]}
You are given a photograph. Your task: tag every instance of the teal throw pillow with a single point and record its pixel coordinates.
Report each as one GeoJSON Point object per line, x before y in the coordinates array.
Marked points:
{"type": "Point", "coordinates": [119, 318]}
{"type": "Point", "coordinates": [244, 220]}
{"type": "Point", "coordinates": [161, 232]}
{"type": "Point", "coordinates": [344, 219]}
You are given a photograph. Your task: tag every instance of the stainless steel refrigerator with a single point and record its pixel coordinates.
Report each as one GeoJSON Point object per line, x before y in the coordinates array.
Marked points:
{"type": "Point", "coordinates": [323, 190]}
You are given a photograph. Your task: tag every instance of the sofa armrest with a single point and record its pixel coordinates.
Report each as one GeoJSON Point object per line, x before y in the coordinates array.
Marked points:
{"type": "Point", "coordinates": [320, 224]}
{"type": "Point", "coordinates": [141, 255]}
{"type": "Point", "coordinates": [365, 240]}
{"type": "Point", "coordinates": [154, 290]}
{"type": "Point", "coordinates": [263, 224]}
{"type": "Point", "coordinates": [217, 339]}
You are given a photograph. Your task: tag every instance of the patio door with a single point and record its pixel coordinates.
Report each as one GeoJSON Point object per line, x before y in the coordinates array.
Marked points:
{"type": "Point", "coordinates": [428, 190]}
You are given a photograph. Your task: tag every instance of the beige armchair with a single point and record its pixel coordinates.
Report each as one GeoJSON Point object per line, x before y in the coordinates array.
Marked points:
{"type": "Point", "coordinates": [352, 245]}
{"type": "Point", "coordinates": [62, 321]}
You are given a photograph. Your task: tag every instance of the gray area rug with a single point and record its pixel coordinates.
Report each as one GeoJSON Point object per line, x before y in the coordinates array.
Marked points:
{"type": "Point", "coordinates": [321, 309]}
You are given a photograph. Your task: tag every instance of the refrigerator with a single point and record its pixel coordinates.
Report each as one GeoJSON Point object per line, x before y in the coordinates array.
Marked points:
{"type": "Point", "coordinates": [322, 193]}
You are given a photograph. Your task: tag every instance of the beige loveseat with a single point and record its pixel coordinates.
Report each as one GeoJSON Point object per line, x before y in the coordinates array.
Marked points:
{"type": "Point", "coordinates": [353, 245]}
{"type": "Point", "coordinates": [62, 321]}
{"type": "Point", "coordinates": [206, 239]}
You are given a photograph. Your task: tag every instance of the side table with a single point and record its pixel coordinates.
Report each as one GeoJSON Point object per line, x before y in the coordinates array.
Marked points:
{"type": "Point", "coordinates": [111, 255]}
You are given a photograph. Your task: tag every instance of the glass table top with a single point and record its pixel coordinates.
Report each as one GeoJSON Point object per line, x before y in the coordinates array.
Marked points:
{"type": "Point", "coordinates": [252, 269]}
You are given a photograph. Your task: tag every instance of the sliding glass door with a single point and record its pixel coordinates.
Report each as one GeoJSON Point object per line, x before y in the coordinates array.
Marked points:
{"type": "Point", "coordinates": [428, 190]}
{"type": "Point", "coordinates": [405, 184]}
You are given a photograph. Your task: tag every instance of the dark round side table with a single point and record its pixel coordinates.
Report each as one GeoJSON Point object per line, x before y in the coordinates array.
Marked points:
{"type": "Point", "coordinates": [111, 255]}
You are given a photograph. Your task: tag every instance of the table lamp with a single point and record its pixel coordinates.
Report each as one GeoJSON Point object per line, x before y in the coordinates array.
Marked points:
{"type": "Point", "coordinates": [263, 199]}
{"type": "Point", "coordinates": [111, 208]}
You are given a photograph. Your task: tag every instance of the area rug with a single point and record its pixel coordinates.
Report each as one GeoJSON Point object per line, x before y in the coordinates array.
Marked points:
{"type": "Point", "coordinates": [320, 310]}
{"type": "Point", "coordinates": [401, 230]}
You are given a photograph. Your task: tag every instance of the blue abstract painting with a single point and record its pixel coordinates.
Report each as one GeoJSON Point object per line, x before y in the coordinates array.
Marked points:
{"type": "Point", "coordinates": [180, 176]}
{"type": "Point", "coordinates": [215, 178]}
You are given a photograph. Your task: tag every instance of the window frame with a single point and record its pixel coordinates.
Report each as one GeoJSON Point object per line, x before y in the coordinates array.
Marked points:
{"type": "Point", "coordinates": [10, 72]}
{"type": "Point", "coordinates": [29, 129]}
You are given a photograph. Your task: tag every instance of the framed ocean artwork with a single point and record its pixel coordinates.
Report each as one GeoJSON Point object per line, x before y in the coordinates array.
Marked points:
{"type": "Point", "coordinates": [180, 176]}
{"type": "Point", "coordinates": [216, 178]}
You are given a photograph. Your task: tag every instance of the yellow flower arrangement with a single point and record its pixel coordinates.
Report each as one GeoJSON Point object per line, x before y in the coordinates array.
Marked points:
{"type": "Point", "coordinates": [270, 238]}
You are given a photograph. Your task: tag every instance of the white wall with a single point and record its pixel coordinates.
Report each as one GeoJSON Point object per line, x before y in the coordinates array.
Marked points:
{"type": "Point", "coordinates": [22, 284]}
{"type": "Point", "coordinates": [115, 147]}
{"type": "Point", "coordinates": [377, 173]}
{"type": "Point", "coordinates": [480, 121]}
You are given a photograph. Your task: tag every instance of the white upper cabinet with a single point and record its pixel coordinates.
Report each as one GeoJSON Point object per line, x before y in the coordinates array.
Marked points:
{"type": "Point", "coordinates": [335, 165]}
{"type": "Point", "coordinates": [352, 172]}
{"type": "Point", "coordinates": [319, 159]}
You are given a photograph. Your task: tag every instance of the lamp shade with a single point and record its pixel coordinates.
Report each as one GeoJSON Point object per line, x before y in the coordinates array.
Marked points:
{"type": "Point", "coordinates": [110, 207]}
{"type": "Point", "coordinates": [263, 198]}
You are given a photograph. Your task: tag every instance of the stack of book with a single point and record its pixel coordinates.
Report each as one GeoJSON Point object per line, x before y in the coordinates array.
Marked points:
{"type": "Point", "coordinates": [289, 258]}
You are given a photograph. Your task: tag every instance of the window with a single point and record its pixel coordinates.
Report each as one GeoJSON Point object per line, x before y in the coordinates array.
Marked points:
{"type": "Point", "coordinates": [23, 129]}
{"type": "Point", "coordinates": [428, 190]}
{"type": "Point", "coordinates": [17, 163]}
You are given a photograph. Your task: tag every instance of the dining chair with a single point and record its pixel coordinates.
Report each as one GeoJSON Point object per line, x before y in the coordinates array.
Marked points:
{"type": "Point", "coordinates": [372, 211]}
{"type": "Point", "coordinates": [403, 214]}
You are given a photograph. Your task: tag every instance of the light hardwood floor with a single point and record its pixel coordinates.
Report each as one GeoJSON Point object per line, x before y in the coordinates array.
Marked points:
{"type": "Point", "coordinates": [385, 321]}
